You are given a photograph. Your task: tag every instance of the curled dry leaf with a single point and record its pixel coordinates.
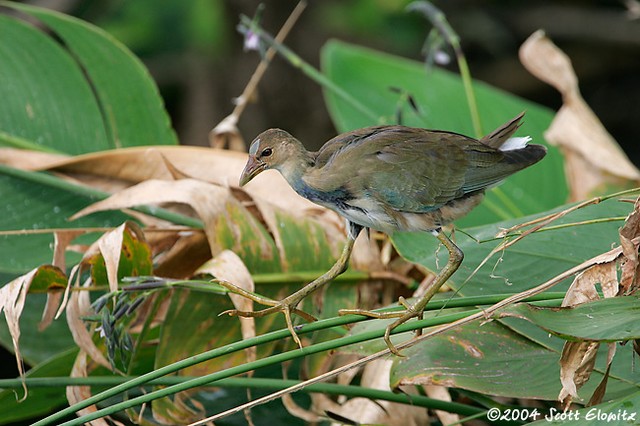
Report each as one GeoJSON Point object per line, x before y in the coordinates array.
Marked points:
{"type": "Point", "coordinates": [576, 364]}
{"type": "Point", "coordinates": [177, 255]}
{"type": "Point", "coordinates": [61, 240]}
{"type": "Point", "coordinates": [135, 165]}
{"type": "Point", "coordinates": [209, 201]}
{"type": "Point", "coordinates": [28, 160]}
{"type": "Point", "coordinates": [138, 164]}
{"type": "Point", "coordinates": [375, 375]}
{"type": "Point", "coordinates": [226, 134]}
{"type": "Point", "coordinates": [125, 167]}
{"type": "Point", "coordinates": [77, 394]}
{"type": "Point", "coordinates": [583, 288]}
{"type": "Point", "coordinates": [77, 307]}
{"type": "Point", "coordinates": [227, 266]}
{"type": "Point", "coordinates": [599, 392]}
{"type": "Point", "coordinates": [578, 358]}
{"type": "Point", "coordinates": [12, 299]}
{"type": "Point", "coordinates": [296, 410]}
{"type": "Point", "coordinates": [442, 393]}
{"type": "Point", "coordinates": [630, 264]}
{"type": "Point", "coordinates": [110, 247]}
{"type": "Point", "coordinates": [593, 159]}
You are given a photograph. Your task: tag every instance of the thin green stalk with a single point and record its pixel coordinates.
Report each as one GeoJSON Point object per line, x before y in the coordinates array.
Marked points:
{"type": "Point", "coordinates": [575, 206]}
{"type": "Point", "coordinates": [248, 24]}
{"type": "Point", "coordinates": [306, 276]}
{"type": "Point", "coordinates": [495, 208]}
{"type": "Point", "coordinates": [272, 336]}
{"type": "Point", "coordinates": [507, 202]}
{"type": "Point", "coordinates": [257, 383]}
{"type": "Point", "coordinates": [581, 223]}
{"type": "Point", "coordinates": [440, 23]}
{"type": "Point", "coordinates": [17, 142]}
{"type": "Point", "coordinates": [264, 362]}
{"type": "Point", "coordinates": [468, 88]}
{"type": "Point", "coordinates": [95, 194]}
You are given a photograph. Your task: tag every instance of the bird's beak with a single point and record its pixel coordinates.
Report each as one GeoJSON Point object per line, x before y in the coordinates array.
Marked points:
{"type": "Point", "coordinates": [253, 168]}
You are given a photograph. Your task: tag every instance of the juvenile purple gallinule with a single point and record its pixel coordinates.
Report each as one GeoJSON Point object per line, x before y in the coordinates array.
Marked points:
{"type": "Point", "coordinates": [390, 178]}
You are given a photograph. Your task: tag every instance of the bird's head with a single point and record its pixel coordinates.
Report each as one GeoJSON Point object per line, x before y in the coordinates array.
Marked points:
{"type": "Point", "coordinates": [271, 149]}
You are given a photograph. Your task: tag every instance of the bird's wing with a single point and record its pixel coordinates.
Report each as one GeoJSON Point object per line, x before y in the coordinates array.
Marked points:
{"type": "Point", "coordinates": [414, 170]}
{"type": "Point", "coordinates": [406, 169]}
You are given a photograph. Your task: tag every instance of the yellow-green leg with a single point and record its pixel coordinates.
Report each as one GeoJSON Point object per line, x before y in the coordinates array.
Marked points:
{"type": "Point", "coordinates": [288, 305]}
{"type": "Point", "coordinates": [416, 309]}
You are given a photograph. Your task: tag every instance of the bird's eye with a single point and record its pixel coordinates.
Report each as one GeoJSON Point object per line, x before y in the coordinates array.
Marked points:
{"type": "Point", "coordinates": [266, 152]}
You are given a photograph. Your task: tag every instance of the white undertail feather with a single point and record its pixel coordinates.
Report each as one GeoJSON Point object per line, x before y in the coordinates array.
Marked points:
{"type": "Point", "coordinates": [515, 143]}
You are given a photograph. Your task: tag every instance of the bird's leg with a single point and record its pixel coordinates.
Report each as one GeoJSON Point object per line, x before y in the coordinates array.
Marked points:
{"type": "Point", "coordinates": [416, 309]}
{"type": "Point", "coordinates": [288, 305]}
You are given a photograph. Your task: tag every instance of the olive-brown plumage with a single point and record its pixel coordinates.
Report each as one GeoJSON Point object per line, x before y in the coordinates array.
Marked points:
{"type": "Point", "coordinates": [392, 178]}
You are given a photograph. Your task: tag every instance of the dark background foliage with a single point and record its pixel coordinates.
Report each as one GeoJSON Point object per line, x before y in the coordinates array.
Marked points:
{"type": "Point", "coordinates": [196, 56]}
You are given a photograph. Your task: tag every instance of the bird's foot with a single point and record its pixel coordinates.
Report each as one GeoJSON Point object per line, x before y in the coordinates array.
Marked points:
{"type": "Point", "coordinates": [410, 311]}
{"type": "Point", "coordinates": [287, 306]}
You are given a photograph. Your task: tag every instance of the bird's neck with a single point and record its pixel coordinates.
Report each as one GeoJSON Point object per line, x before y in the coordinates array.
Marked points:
{"type": "Point", "coordinates": [296, 167]}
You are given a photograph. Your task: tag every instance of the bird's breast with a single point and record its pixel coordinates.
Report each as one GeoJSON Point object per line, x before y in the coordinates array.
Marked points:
{"type": "Point", "coordinates": [380, 217]}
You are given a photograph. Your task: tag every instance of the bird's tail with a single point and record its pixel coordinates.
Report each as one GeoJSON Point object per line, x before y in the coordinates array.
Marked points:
{"type": "Point", "coordinates": [516, 149]}
{"type": "Point", "coordinates": [526, 156]}
{"type": "Point", "coordinates": [500, 138]}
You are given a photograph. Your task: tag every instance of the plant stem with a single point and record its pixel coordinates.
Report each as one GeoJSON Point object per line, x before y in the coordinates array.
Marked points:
{"type": "Point", "coordinates": [265, 338]}
{"type": "Point", "coordinates": [507, 202]}
{"type": "Point", "coordinates": [315, 75]}
{"type": "Point", "coordinates": [440, 23]}
{"type": "Point", "coordinates": [17, 142]}
{"type": "Point", "coordinates": [262, 67]}
{"type": "Point", "coordinates": [255, 383]}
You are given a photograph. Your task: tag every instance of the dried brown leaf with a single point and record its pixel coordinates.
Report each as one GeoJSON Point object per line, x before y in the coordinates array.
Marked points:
{"type": "Point", "coordinates": [179, 255]}
{"type": "Point", "coordinates": [110, 245]}
{"type": "Point", "coordinates": [599, 392]}
{"type": "Point", "coordinates": [227, 266]}
{"type": "Point", "coordinates": [50, 309]}
{"type": "Point", "coordinates": [578, 358]}
{"type": "Point", "coordinates": [226, 134]}
{"type": "Point", "coordinates": [29, 160]}
{"type": "Point", "coordinates": [117, 169]}
{"type": "Point", "coordinates": [442, 393]}
{"type": "Point", "coordinates": [375, 375]}
{"type": "Point", "coordinates": [62, 239]}
{"type": "Point", "coordinates": [576, 364]}
{"type": "Point", "coordinates": [222, 167]}
{"type": "Point", "coordinates": [79, 306]}
{"type": "Point", "coordinates": [295, 410]}
{"type": "Point", "coordinates": [77, 394]}
{"type": "Point", "coordinates": [583, 288]}
{"type": "Point", "coordinates": [593, 159]}
{"type": "Point", "coordinates": [138, 164]}
{"type": "Point", "coordinates": [12, 299]}
{"type": "Point", "coordinates": [209, 201]}
{"type": "Point", "coordinates": [630, 264]}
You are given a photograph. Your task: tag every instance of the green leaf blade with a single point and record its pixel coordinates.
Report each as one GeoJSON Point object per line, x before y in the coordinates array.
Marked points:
{"type": "Point", "coordinates": [46, 99]}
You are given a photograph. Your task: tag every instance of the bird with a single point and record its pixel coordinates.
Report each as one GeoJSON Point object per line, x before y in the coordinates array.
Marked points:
{"type": "Point", "coordinates": [389, 178]}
